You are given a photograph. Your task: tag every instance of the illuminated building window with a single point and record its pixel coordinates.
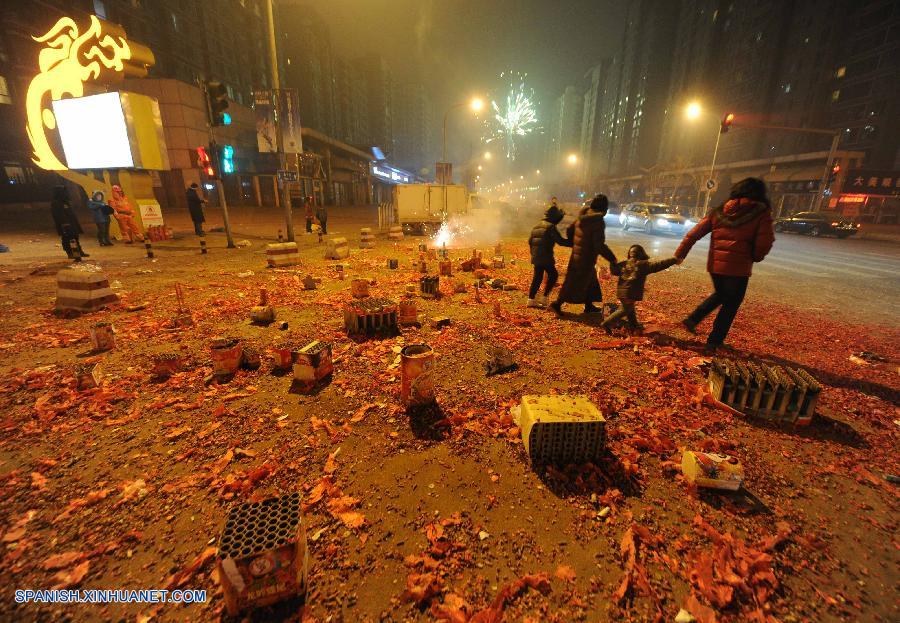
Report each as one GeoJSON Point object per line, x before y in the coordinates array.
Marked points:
{"type": "Point", "coordinates": [4, 92]}
{"type": "Point", "coordinates": [840, 72]}
{"type": "Point", "coordinates": [835, 95]}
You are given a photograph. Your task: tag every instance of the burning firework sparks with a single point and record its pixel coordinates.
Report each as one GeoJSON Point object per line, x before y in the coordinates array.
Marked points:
{"type": "Point", "coordinates": [515, 118]}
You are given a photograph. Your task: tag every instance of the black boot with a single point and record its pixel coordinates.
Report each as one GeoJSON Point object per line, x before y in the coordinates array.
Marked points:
{"type": "Point", "coordinates": [556, 306]}
{"type": "Point", "coordinates": [590, 308]}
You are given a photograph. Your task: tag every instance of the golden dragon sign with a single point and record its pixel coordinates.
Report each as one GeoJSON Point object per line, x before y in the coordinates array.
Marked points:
{"type": "Point", "coordinates": [71, 59]}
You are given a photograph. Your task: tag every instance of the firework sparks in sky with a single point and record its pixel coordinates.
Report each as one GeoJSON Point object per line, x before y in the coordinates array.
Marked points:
{"type": "Point", "coordinates": [514, 116]}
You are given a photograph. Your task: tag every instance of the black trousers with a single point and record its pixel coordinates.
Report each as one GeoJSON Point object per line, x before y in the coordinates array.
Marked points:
{"type": "Point", "coordinates": [552, 278]}
{"type": "Point", "coordinates": [66, 245]}
{"type": "Point", "coordinates": [103, 233]}
{"type": "Point", "coordinates": [198, 228]}
{"type": "Point", "coordinates": [308, 224]}
{"type": "Point", "coordinates": [323, 222]}
{"type": "Point", "coordinates": [728, 296]}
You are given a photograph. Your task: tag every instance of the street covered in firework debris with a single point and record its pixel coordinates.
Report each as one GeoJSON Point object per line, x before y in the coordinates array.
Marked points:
{"type": "Point", "coordinates": [435, 513]}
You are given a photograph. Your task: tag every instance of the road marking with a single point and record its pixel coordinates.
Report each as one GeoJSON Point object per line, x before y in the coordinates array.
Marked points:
{"type": "Point", "coordinates": [827, 269]}
{"type": "Point", "coordinates": [775, 268]}
{"type": "Point", "coordinates": [842, 264]}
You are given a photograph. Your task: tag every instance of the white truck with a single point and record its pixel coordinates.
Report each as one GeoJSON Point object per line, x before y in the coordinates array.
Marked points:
{"type": "Point", "coordinates": [422, 208]}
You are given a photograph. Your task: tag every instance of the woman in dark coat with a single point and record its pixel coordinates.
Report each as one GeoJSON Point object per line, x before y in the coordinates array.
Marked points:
{"type": "Point", "coordinates": [195, 206]}
{"type": "Point", "coordinates": [742, 235]}
{"type": "Point", "coordinates": [67, 225]}
{"type": "Point", "coordinates": [588, 236]}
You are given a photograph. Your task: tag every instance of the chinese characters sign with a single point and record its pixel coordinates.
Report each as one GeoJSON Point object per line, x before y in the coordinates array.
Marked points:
{"type": "Point", "coordinates": [872, 182]}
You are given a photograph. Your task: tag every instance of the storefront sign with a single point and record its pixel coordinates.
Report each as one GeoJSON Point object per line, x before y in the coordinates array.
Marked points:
{"type": "Point", "coordinates": [72, 57]}
{"type": "Point", "coordinates": [397, 176]}
{"type": "Point", "coordinates": [872, 182]}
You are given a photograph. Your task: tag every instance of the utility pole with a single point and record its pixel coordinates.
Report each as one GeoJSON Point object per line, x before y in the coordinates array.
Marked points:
{"type": "Point", "coordinates": [273, 56]}
{"type": "Point", "coordinates": [220, 181]}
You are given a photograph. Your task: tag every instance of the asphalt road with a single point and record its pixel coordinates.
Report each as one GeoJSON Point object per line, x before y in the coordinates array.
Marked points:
{"type": "Point", "coordinates": [861, 278]}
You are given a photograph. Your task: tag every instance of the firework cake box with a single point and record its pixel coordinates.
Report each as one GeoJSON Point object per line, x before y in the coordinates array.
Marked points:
{"type": "Point", "coordinates": [263, 556]}
{"type": "Point", "coordinates": [713, 471]}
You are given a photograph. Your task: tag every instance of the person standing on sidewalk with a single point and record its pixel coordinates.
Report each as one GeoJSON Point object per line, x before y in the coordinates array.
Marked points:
{"type": "Point", "coordinates": [742, 234]}
{"type": "Point", "coordinates": [195, 203]}
{"type": "Point", "coordinates": [543, 238]}
{"type": "Point", "coordinates": [322, 217]}
{"type": "Point", "coordinates": [588, 236]}
{"type": "Point", "coordinates": [101, 212]}
{"type": "Point", "coordinates": [124, 214]}
{"type": "Point", "coordinates": [67, 225]}
{"type": "Point", "coordinates": [308, 208]}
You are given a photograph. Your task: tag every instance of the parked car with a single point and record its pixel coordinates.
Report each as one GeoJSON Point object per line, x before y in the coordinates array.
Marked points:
{"type": "Point", "coordinates": [817, 224]}
{"type": "Point", "coordinates": [612, 215]}
{"type": "Point", "coordinates": [655, 218]}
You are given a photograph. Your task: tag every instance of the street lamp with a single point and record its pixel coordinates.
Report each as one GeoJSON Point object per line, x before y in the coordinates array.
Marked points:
{"type": "Point", "coordinates": [480, 167]}
{"type": "Point", "coordinates": [487, 155]}
{"type": "Point", "coordinates": [538, 172]}
{"type": "Point", "coordinates": [693, 111]}
{"type": "Point", "coordinates": [572, 159]}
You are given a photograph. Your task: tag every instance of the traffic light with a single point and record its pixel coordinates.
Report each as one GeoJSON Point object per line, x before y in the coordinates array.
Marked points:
{"type": "Point", "coordinates": [834, 173]}
{"type": "Point", "coordinates": [727, 121]}
{"type": "Point", "coordinates": [227, 159]}
{"type": "Point", "coordinates": [217, 100]}
{"type": "Point", "coordinates": [204, 163]}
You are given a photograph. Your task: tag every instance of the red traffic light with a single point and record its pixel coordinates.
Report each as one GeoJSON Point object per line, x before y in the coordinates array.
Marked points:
{"type": "Point", "coordinates": [727, 121]}
{"type": "Point", "coordinates": [836, 169]}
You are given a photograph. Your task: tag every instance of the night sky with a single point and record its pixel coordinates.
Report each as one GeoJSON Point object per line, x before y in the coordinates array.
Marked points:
{"type": "Point", "coordinates": [459, 47]}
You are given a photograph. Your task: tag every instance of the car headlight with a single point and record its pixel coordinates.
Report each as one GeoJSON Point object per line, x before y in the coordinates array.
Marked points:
{"type": "Point", "coordinates": [689, 223]}
{"type": "Point", "coordinates": [662, 222]}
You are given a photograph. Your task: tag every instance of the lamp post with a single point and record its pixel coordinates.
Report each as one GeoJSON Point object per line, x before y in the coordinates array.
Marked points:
{"type": "Point", "coordinates": [273, 60]}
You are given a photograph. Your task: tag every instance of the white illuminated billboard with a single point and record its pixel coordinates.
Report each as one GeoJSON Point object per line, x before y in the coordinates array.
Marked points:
{"type": "Point", "coordinates": [93, 132]}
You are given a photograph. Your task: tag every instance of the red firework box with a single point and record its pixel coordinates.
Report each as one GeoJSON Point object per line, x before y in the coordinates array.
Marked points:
{"type": "Point", "coordinates": [313, 363]}
{"type": "Point", "coordinates": [263, 557]}
{"type": "Point", "coordinates": [446, 268]}
{"type": "Point", "coordinates": [284, 356]}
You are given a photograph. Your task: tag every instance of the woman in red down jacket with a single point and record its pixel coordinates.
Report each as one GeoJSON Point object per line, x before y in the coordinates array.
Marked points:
{"type": "Point", "coordinates": [741, 235]}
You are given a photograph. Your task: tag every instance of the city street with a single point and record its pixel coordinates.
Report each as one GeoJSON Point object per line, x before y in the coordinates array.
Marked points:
{"type": "Point", "coordinates": [437, 514]}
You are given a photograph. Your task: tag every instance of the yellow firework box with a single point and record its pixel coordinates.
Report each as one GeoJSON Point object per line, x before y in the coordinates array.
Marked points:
{"type": "Point", "coordinates": [282, 254]}
{"type": "Point", "coordinates": [82, 290]}
{"type": "Point", "coordinates": [561, 429]}
{"type": "Point", "coordinates": [263, 557]}
{"type": "Point", "coordinates": [713, 471]}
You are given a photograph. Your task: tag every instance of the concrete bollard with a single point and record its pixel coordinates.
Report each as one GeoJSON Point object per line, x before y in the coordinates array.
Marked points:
{"type": "Point", "coordinates": [366, 238]}
{"type": "Point", "coordinates": [82, 290]}
{"type": "Point", "coordinates": [202, 244]}
{"type": "Point", "coordinates": [149, 248]}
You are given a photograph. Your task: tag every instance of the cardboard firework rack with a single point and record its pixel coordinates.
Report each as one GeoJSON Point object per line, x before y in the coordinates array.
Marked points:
{"type": "Point", "coordinates": [429, 286]}
{"type": "Point", "coordinates": [769, 392]}
{"type": "Point", "coordinates": [561, 429]}
{"type": "Point", "coordinates": [263, 558]}
{"type": "Point", "coordinates": [371, 316]}
{"type": "Point", "coordinates": [312, 364]}
{"type": "Point", "coordinates": [282, 254]}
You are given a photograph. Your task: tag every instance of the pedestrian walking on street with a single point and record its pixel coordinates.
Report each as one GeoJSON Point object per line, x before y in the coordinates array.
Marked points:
{"type": "Point", "coordinates": [632, 280]}
{"type": "Point", "coordinates": [308, 207]}
{"type": "Point", "coordinates": [544, 237]}
{"type": "Point", "coordinates": [588, 236]}
{"type": "Point", "coordinates": [67, 225]}
{"type": "Point", "coordinates": [124, 214]}
{"type": "Point", "coordinates": [742, 234]}
{"type": "Point", "coordinates": [322, 217]}
{"type": "Point", "coordinates": [195, 203]}
{"type": "Point", "coordinates": [101, 212]}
